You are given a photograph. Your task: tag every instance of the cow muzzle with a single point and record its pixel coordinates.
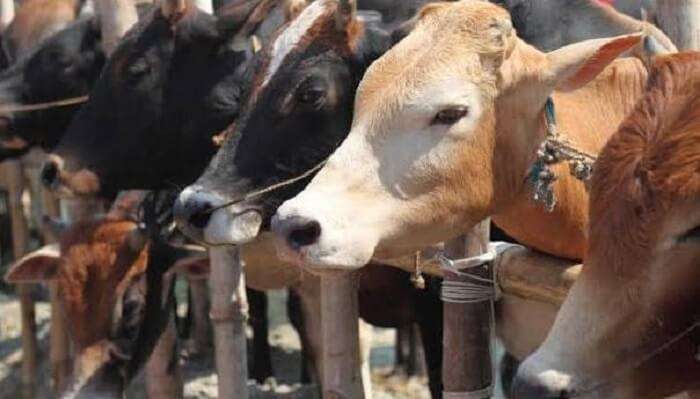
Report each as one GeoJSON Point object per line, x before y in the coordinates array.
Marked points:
{"type": "Point", "coordinates": [545, 384]}
{"type": "Point", "coordinates": [56, 178]}
{"type": "Point", "coordinates": [200, 215]}
{"type": "Point", "coordinates": [96, 375]}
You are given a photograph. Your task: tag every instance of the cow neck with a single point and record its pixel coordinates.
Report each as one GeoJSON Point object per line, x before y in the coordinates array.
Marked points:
{"type": "Point", "coordinates": [588, 116]}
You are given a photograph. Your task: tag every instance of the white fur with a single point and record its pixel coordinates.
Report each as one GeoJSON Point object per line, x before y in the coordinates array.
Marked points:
{"type": "Point", "coordinates": [292, 35]}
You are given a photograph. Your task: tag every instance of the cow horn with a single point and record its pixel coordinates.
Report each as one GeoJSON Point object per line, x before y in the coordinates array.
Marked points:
{"type": "Point", "coordinates": [172, 10]}
{"type": "Point", "coordinates": [345, 13]}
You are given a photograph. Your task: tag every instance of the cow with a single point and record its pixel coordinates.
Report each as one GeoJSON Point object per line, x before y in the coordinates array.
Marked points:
{"type": "Point", "coordinates": [551, 24]}
{"type": "Point", "coordinates": [628, 328]}
{"type": "Point", "coordinates": [423, 163]}
{"type": "Point", "coordinates": [116, 301]}
{"type": "Point", "coordinates": [146, 109]}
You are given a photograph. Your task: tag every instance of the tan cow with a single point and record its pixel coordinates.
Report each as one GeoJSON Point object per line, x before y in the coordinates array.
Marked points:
{"type": "Point", "coordinates": [628, 328]}
{"type": "Point", "coordinates": [445, 130]}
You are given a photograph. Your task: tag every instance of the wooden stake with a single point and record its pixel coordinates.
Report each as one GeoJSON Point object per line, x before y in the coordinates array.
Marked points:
{"type": "Point", "coordinates": [59, 346]}
{"type": "Point", "coordinates": [680, 19]}
{"type": "Point", "coordinates": [229, 312]}
{"type": "Point", "coordinates": [20, 244]}
{"type": "Point", "coordinates": [342, 377]}
{"type": "Point", "coordinates": [466, 364]}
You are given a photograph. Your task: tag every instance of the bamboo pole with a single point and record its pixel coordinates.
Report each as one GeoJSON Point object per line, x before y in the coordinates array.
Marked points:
{"type": "Point", "coordinates": [680, 19]}
{"type": "Point", "coordinates": [342, 376]}
{"type": "Point", "coordinates": [466, 364]}
{"type": "Point", "coordinates": [229, 311]}
{"type": "Point", "coordinates": [59, 346]}
{"type": "Point", "coordinates": [20, 243]}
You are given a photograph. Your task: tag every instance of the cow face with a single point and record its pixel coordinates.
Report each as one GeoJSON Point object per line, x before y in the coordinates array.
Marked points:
{"type": "Point", "coordinates": [101, 272]}
{"type": "Point", "coordinates": [62, 67]}
{"type": "Point", "coordinates": [299, 111]}
{"type": "Point", "coordinates": [628, 328]}
{"type": "Point", "coordinates": [446, 123]}
{"type": "Point", "coordinates": [170, 85]}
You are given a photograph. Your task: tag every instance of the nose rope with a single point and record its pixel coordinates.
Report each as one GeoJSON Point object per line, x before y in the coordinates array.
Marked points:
{"type": "Point", "coordinates": [42, 106]}
{"type": "Point", "coordinates": [273, 187]}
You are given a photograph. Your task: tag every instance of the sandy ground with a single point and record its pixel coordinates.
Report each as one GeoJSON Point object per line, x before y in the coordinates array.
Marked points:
{"type": "Point", "coordinates": [200, 379]}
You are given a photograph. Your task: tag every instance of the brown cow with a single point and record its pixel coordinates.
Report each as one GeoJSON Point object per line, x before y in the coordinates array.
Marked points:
{"type": "Point", "coordinates": [114, 296]}
{"type": "Point", "coordinates": [628, 328]}
{"type": "Point", "coordinates": [445, 130]}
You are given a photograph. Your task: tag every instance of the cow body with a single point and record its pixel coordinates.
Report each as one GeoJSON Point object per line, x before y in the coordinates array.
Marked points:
{"type": "Point", "coordinates": [638, 286]}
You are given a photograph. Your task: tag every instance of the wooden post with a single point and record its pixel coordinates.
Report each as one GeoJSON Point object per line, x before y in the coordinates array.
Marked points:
{"type": "Point", "coordinates": [59, 346]}
{"type": "Point", "coordinates": [116, 18]}
{"type": "Point", "coordinates": [466, 364]}
{"type": "Point", "coordinates": [7, 13]}
{"type": "Point", "coordinates": [680, 19]}
{"type": "Point", "coordinates": [229, 312]}
{"type": "Point", "coordinates": [342, 377]}
{"type": "Point", "coordinates": [20, 238]}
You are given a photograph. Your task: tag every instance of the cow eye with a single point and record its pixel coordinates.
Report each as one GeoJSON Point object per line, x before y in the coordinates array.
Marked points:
{"type": "Point", "coordinates": [137, 71]}
{"type": "Point", "coordinates": [311, 95]}
{"type": "Point", "coordinates": [450, 116]}
{"type": "Point", "coordinates": [691, 235]}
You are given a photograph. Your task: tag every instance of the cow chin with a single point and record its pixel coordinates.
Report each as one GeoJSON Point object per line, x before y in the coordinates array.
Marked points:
{"type": "Point", "coordinates": [337, 247]}
{"type": "Point", "coordinates": [232, 226]}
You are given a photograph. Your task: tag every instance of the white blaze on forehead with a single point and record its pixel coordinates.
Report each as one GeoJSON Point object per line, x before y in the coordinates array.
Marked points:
{"type": "Point", "coordinates": [292, 35]}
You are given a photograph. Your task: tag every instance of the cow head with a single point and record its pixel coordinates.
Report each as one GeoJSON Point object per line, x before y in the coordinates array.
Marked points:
{"type": "Point", "coordinates": [626, 327]}
{"type": "Point", "coordinates": [100, 268]}
{"type": "Point", "coordinates": [63, 66]}
{"type": "Point", "coordinates": [445, 128]}
{"type": "Point", "coordinates": [172, 83]}
{"type": "Point", "coordinates": [299, 110]}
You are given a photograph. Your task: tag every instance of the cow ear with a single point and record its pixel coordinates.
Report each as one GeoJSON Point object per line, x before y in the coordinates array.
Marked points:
{"type": "Point", "coordinates": [573, 66]}
{"type": "Point", "coordinates": [194, 267]}
{"type": "Point", "coordinates": [38, 266]}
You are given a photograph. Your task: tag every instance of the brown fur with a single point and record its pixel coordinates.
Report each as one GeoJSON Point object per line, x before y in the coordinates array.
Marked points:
{"type": "Point", "coordinates": [96, 259]}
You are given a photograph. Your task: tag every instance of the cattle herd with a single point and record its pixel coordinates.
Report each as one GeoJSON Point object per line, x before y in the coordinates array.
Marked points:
{"type": "Point", "coordinates": [329, 147]}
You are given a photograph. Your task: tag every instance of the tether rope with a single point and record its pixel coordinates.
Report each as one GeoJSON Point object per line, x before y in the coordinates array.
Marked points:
{"type": "Point", "coordinates": [42, 106]}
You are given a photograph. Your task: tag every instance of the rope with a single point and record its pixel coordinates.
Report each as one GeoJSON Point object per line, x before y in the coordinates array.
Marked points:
{"type": "Point", "coordinates": [553, 150]}
{"type": "Point", "coordinates": [42, 106]}
{"type": "Point", "coordinates": [472, 288]}
{"type": "Point", "coordinates": [274, 187]}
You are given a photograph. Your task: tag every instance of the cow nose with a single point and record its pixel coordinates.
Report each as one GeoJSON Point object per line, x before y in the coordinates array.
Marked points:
{"type": "Point", "coordinates": [534, 387]}
{"type": "Point", "coordinates": [49, 173]}
{"type": "Point", "coordinates": [300, 231]}
{"type": "Point", "coordinates": [194, 211]}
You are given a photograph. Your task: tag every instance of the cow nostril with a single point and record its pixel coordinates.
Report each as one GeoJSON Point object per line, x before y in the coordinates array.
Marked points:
{"type": "Point", "coordinates": [304, 234]}
{"type": "Point", "coordinates": [49, 173]}
{"type": "Point", "coordinates": [200, 217]}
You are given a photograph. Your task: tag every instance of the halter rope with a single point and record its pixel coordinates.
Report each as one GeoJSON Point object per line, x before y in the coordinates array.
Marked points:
{"type": "Point", "coordinates": [42, 106]}
{"type": "Point", "coordinates": [553, 150]}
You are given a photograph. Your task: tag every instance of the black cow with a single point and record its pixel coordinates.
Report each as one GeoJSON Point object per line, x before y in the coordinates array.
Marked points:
{"type": "Point", "coordinates": [64, 66]}
{"type": "Point", "coordinates": [171, 85]}
{"type": "Point", "coordinates": [299, 110]}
